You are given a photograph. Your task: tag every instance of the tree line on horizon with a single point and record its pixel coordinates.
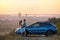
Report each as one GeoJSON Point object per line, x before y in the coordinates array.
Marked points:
{"type": "Point", "coordinates": [54, 20]}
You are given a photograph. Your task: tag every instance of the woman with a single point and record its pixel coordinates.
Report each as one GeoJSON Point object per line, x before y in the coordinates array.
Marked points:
{"type": "Point", "coordinates": [21, 28]}
{"type": "Point", "coordinates": [24, 23]}
{"type": "Point", "coordinates": [20, 23]}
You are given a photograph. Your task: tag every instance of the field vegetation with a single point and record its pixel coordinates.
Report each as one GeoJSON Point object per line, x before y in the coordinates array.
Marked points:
{"type": "Point", "coordinates": [7, 30]}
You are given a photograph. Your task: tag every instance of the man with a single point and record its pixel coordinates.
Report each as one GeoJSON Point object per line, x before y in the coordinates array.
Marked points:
{"type": "Point", "coordinates": [24, 23]}
{"type": "Point", "coordinates": [23, 26]}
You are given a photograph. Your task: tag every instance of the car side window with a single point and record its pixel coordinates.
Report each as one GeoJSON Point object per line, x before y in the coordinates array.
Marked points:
{"type": "Point", "coordinates": [35, 25]}
{"type": "Point", "coordinates": [45, 24]}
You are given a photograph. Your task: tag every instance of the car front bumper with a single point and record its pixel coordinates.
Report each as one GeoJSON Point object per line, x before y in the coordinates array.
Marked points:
{"type": "Point", "coordinates": [55, 32]}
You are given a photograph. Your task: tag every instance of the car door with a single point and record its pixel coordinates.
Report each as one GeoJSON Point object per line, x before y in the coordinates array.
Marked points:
{"type": "Point", "coordinates": [43, 28]}
{"type": "Point", "coordinates": [33, 28]}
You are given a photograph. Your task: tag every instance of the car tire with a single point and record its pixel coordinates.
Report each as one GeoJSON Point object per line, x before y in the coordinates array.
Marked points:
{"type": "Point", "coordinates": [49, 33]}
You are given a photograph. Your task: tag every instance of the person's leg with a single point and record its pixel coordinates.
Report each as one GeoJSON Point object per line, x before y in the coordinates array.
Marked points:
{"type": "Point", "coordinates": [22, 32]}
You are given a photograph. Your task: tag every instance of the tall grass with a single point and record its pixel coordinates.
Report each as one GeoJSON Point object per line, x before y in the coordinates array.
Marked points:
{"type": "Point", "coordinates": [58, 28]}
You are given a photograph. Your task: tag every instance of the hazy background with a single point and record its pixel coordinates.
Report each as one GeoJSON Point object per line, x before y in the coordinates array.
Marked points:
{"type": "Point", "coordinates": [11, 7]}
{"type": "Point", "coordinates": [11, 11]}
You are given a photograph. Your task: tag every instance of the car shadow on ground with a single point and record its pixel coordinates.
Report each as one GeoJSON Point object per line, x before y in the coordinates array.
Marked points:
{"type": "Point", "coordinates": [37, 36]}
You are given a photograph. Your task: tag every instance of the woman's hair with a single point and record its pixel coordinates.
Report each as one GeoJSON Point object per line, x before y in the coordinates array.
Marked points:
{"type": "Point", "coordinates": [20, 22]}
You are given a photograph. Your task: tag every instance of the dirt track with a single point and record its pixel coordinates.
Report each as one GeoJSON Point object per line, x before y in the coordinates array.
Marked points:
{"type": "Point", "coordinates": [55, 37]}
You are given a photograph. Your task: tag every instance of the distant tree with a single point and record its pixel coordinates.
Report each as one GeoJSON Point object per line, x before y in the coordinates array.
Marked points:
{"type": "Point", "coordinates": [26, 14]}
{"type": "Point", "coordinates": [54, 20]}
{"type": "Point", "coordinates": [19, 14]}
{"type": "Point", "coordinates": [58, 20]}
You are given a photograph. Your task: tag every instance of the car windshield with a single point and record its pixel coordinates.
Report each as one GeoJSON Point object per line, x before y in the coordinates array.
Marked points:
{"type": "Point", "coordinates": [31, 24]}
{"type": "Point", "coordinates": [35, 25]}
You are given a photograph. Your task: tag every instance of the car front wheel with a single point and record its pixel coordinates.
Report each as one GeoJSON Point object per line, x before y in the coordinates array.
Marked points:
{"type": "Point", "coordinates": [49, 33]}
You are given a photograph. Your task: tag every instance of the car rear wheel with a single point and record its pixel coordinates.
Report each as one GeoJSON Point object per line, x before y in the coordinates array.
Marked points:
{"type": "Point", "coordinates": [49, 33]}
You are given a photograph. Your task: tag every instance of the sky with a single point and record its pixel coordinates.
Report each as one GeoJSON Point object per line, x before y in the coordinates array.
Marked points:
{"type": "Point", "coordinates": [29, 7]}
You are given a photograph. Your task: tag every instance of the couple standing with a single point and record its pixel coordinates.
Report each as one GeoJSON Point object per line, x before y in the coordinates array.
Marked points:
{"type": "Point", "coordinates": [22, 25]}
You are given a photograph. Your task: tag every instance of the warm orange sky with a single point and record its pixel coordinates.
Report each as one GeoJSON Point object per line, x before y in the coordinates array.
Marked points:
{"type": "Point", "coordinates": [30, 6]}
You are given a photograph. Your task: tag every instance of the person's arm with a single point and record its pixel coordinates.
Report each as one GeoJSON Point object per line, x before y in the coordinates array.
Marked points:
{"type": "Point", "coordinates": [19, 23]}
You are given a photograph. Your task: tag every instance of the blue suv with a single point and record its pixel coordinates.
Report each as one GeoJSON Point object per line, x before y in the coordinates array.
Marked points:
{"type": "Point", "coordinates": [46, 28]}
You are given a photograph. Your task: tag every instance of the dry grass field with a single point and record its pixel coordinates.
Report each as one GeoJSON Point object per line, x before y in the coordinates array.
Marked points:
{"type": "Point", "coordinates": [6, 32]}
